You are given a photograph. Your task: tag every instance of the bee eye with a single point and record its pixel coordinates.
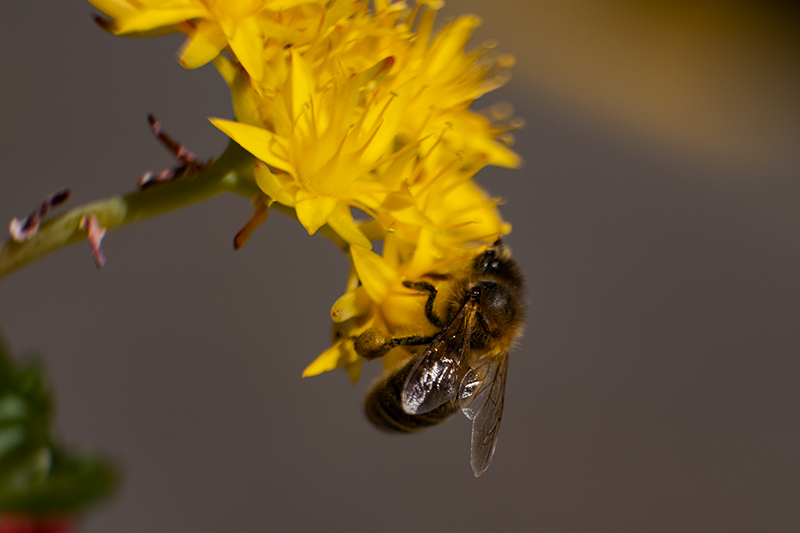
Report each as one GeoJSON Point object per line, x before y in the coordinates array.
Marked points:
{"type": "Point", "coordinates": [485, 262]}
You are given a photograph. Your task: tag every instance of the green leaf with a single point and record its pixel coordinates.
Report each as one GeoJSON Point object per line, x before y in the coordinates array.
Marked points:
{"type": "Point", "coordinates": [37, 476]}
{"type": "Point", "coordinates": [48, 482]}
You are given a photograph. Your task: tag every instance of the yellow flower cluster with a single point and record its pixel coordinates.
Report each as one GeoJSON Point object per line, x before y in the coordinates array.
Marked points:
{"type": "Point", "coordinates": [349, 106]}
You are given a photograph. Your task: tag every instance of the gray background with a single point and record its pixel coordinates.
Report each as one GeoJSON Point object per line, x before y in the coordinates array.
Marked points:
{"type": "Point", "coordinates": [655, 389]}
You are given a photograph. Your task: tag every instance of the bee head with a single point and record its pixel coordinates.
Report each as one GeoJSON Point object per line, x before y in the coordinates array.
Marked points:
{"type": "Point", "coordinates": [496, 289]}
{"type": "Point", "coordinates": [494, 262]}
{"type": "Point", "coordinates": [496, 306]}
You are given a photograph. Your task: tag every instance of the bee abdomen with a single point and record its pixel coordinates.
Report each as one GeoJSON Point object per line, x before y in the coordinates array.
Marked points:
{"type": "Point", "coordinates": [384, 407]}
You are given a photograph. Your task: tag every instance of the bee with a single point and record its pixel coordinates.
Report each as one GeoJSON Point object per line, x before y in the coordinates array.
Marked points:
{"type": "Point", "coordinates": [464, 365]}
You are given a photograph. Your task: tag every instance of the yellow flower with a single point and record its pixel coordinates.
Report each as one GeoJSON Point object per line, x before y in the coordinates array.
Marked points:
{"type": "Point", "coordinates": [376, 299]}
{"type": "Point", "coordinates": [374, 116]}
{"type": "Point", "coordinates": [339, 119]}
{"type": "Point", "coordinates": [212, 25]}
{"type": "Point", "coordinates": [323, 150]}
{"type": "Point", "coordinates": [446, 80]}
{"type": "Point", "coordinates": [440, 213]}
{"type": "Point", "coordinates": [461, 216]}
{"type": "Point", "coordinates": [347, 106]}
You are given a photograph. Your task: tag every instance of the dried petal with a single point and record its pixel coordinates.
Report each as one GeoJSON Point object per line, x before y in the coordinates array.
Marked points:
{"type": "Point", "coordinates": [96, 234]}
{"type": "Point", "coordinates": [23, 230]}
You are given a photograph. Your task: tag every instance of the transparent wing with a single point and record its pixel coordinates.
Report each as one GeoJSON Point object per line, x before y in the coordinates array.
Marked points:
{"type": "Point", "coordinates": [435, 378]}
{"type": "Point", "coordinates": [474, 388]}
{"type": "Point", "coordinates": [481, 397]}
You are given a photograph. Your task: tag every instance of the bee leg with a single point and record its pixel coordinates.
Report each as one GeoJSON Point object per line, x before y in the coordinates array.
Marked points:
{"type": "Point", "coordinates": [424, 286]}
{"type": "Point", "coordinates": [374, 343]}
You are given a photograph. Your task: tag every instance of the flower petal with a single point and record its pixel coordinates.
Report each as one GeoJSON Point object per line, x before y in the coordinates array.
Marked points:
{"type": "Point", "coordinates": [157, 18]}
{"type": "Point", "coordinates": [280, 187]}
{"type": "Point", "coordinates": [351, 304]}
{"type": "Point", "coordinates": [375, 274]}
{"type": "Point", "coordinates": [314, 212]}
{"type": "Point", "coordinates": [340, 354]}
{"type": "Point", "coordinates": [278, 5]}
{"type": "Point", "coordinates": [204, 45]}
{"type": "Point", "coordinates": [341, 221]}
{"type": "Point", "coordinates": [354, 369]}
{"type": "Point", "coordinates": [302, 85]}
{"type": "Point", "coordinates": [115, 9]}
{"type": "Point", "coordinates": [244, 104]}
{"type": "Point", "coordinates": [260, 142]}
{"type": "Point", "coordinates": [247, 42]}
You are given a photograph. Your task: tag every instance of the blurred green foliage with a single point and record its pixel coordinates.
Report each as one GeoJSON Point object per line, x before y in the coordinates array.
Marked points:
{"type": "Point", "coordinates": [37, 476]}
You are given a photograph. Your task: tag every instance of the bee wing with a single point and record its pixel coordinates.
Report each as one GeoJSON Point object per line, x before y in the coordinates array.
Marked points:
{"type": "Point", "coordinates": [474, 387]}
{"type": "Point", "coordinates": [481, 397]}
{"type": "Point", "coordinates": [434, 379]}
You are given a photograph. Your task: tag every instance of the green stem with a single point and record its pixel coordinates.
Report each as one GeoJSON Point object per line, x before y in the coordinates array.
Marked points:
{"type": "Point", "coordinates": [229, 173]}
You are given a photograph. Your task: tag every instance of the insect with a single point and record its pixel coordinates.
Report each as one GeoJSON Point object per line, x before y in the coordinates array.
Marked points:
{"type": "Point", "coordinates": [464, 365]}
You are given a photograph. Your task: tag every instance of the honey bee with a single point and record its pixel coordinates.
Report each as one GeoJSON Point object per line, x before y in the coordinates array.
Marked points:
{"type": "Point", "coordinates": [464, 365]}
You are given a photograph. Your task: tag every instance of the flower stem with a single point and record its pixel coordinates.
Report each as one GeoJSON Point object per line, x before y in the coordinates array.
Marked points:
{"type": "Point", "coordinates": [232, 172]}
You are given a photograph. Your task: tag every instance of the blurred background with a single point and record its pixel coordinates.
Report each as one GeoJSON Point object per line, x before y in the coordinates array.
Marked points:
{"type": "Point", "coordinates": [656, 219]}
